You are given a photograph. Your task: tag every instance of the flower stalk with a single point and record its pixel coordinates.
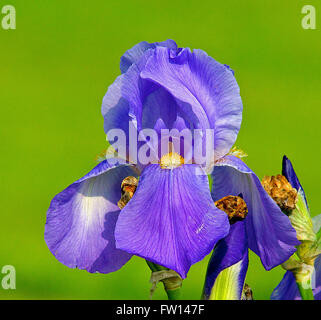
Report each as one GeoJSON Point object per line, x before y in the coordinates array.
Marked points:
{"type": "Point", "coordinates": [171, 280]}
{"type": "Point", "coordinates": [306, 293]}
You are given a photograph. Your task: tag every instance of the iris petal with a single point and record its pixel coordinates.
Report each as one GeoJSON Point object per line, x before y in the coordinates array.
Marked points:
{"type": "Point", "coordinates": [287, 289]}
{"type": "Point", "coordinates": [129, 89]}
{"type": "Point", "coordinates": [159, 105]}
{"type": "Point", "coordinates": [270, 234]}
{"type": "Point", "coordinates": [81, 219]}
{"type": "Point", "coordinates": [176, 88]}
{"type": "Point", "coordinates": [230, 251]}
{"type": "Point", "coordinates": [134, 54]}
{"type": "Point", "coordinates": [171, 219]}
{"type": "Point", "coordinates": [207, 86]}
{"type": "Point", "coordinates": [151, 106]}
{"type": "Point", "coordinates": [317, 279]}
{"type": "Point", "coordinates": [115, 109]}
{"type": "Point", "coordinates": [289, 173]}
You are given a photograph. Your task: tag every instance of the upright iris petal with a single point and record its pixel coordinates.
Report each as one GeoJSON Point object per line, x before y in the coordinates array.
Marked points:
{"type": "Point", "coordinates": [134, 54]}
{"type": "Point", "coordinates": [167, 88]}
{"type": "Point", "coordinates": [203, 88]}
{"type": "Point", "coordinates": [270, 234]}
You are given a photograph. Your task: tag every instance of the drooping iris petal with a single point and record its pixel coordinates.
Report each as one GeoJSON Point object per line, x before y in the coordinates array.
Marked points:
{"type": "Point", "coordinates": [203, 84]}
{"type": "Point", "coordinates": [289, 173]}
{"type": "Point", "coordinates": [228, 266]}
{"type": "Point", "coordinates": [134, 54]}
{"type": "Point", "coordinates": [81, 220]}
{"type": "Point", "coordinates": [171, 219]}
{"type": "Point", "coordinates": [287, 289]}
{"type": "Point", "coordinates": [270, 234]}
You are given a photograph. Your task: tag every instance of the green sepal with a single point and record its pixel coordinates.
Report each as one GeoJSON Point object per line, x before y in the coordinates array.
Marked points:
{"type": "Point", "coordinates": [292, 263]}
{"type": "Point", "coordinates": [301, 220]}
{"type": "Point", "coordinates": [318, 235]}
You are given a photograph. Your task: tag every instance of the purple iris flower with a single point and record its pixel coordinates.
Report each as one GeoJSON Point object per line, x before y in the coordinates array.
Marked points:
{"type": "Point", "coordinates": [230, 251]}
{"type": "Point", "coordinates": [171, 219]}
{"type": "Point", "coordinates": [287, 289]}
{"type": "Point", "coordinates": [269, 231]}
{"type": "Point", "coordinates": [263, 230]}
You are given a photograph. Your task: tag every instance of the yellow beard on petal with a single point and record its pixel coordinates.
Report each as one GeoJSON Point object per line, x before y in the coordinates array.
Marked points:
{"type": "Point", "coordinates": [171, 160]}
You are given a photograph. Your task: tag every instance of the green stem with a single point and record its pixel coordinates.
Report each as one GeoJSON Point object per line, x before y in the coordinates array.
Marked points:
{"type": "Point", "coordinates": [152, 266]}
{"type": "Point", "coordinates": [306, 293]}
{"type": "Point", "coordinates": [172, 294]}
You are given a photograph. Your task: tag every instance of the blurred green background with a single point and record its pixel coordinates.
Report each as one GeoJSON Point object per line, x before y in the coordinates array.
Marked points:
{"type": "Point", "coordinates": [55, 69]}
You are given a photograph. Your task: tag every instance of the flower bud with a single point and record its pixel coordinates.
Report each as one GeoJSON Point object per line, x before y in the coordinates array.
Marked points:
{"type": "Point", "coordinates": [291, 203]}
{"type": "Point", "coordinates": [235, 207]}
{"type": "Point", "coordinates": [281, 191]}
{"type": "Point", "coordinates": [128, 188]}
